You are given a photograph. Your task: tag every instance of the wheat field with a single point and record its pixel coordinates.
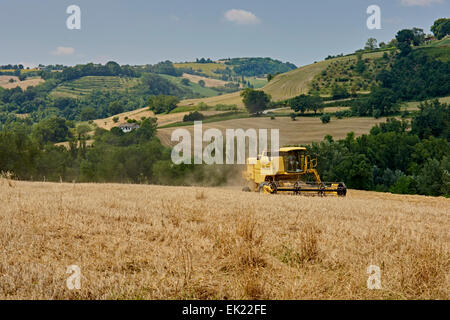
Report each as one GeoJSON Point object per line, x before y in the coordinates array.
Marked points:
{"type": "Point", "coordinates": [155, 242]}
{"type": "Point", "coordinates": [304, 130]}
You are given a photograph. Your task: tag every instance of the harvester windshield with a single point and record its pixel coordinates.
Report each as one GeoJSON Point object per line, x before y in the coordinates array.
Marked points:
{"type": "Point", "coordinates": [294, 161]}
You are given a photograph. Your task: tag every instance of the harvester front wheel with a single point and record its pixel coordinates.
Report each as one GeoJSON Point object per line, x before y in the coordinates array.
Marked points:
{"type": "Point", "coordinates": [342, 190]}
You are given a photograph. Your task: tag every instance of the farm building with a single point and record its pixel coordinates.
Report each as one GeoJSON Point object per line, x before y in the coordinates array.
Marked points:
{"type": "Point", "coordinates": [127, 127]}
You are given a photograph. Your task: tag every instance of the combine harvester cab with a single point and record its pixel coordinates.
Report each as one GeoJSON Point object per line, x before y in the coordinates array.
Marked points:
{"type": "Point", "coordinates": [292, 171]}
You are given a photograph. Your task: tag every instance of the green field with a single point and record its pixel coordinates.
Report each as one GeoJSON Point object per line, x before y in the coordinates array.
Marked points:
{"type": "Point", "coordinates": [257, 83]}
{"type": "Point", "coordinates": [414, 105]}
{"type": "Point", "coordinates": [85, 85]}
{"type": "Point", "coordinates": [441, 43]}
{"type": "Point", "coordinates": [195, 87]}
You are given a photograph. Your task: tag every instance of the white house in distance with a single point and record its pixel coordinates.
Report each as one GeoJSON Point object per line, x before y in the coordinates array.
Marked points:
{"type": "Point", "coordinates": [127, 127]}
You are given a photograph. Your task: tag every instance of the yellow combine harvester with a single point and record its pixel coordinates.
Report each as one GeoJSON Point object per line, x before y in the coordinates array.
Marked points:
{"type": "Point", "coordinates": [289, 171]}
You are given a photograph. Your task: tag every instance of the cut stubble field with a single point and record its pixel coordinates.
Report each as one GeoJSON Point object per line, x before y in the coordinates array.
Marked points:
{"type": "Point", "coordinates": [304, 130]}
{"type": "Point", "coordinates": [31, 82]}
{"type": "Point", "coordinates": [155, 242]}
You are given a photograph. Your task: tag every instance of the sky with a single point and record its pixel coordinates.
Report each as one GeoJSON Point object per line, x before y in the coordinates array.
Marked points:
{"type": "Point", "coordinates": [139, 32]}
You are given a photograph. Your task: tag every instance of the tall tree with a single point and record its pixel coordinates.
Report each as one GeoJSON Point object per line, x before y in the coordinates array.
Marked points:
{"type": "Point", "coordinates": [255, 100]}
{"type": "Point", "coordinates": [371, 44]}
{"type": "Point", "coordinates": [441, 28]}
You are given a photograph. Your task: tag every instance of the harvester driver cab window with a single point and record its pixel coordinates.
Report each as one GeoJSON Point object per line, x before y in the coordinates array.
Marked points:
{"type": "Point", "coordinates": [293, 164]}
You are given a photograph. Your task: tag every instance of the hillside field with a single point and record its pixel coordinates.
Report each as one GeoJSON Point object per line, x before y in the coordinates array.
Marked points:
{"type": "Point", "coordinates": [85, 85]}
{"type": "Point", "coordinates": [155, 242]}
{"type": "Point", "coordinates": [302, 131]}
{"type": "Point", "coordinates": [206, 68]}
{"type": "Point", "coordinates": [283, 86]}
{"type": "Point", "coordinates": [206, 91]}
{"type": "Point", "coordinates": [29, 82]}
{"type": "Point", "coordinates": [163, 119]}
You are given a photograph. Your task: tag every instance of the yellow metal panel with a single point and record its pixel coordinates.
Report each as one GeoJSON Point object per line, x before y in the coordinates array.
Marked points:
{"type": "Point", "coordinates": [288, 149]}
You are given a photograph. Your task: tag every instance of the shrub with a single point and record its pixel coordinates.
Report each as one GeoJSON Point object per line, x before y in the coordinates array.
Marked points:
{"type": "Point", "coordinates": [115, 119]}
{"type": "Point", "coordinates": [226, 107]}
{"type": "Point", "coordinates": [326, 118]}
{"type": "Point", "coordinates": [343, 114]}
{"type": "Point", "coordinates": [202, 106]}
{"type": "Point", "coordinates": [162, 103]}
{"type": "Point", "coordinates": [193, 116]}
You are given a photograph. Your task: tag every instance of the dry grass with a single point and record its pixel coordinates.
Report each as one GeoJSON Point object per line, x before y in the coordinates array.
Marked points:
{"type": "Point", "coordinates": [229, 98]}
{"type": "Point", "coordinates": [209, 82]}
{"type": "Point", "coordinates": [151, 242]}
{"type": "Point", "coordinates": [31, 82]}
{"type": "Point", "coordinates": [163, 119]}
{"type": "Point", "coordinates": [302, 131]}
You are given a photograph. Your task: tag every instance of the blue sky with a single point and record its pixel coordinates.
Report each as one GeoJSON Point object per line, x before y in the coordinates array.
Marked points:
{"type": "Point", "coordinates": [141, 32]}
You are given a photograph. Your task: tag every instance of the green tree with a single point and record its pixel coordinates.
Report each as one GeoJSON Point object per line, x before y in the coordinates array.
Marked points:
{"type": "Point", "coordinates": [371, 44]}
{"type": "Point", "coordinates": [53, 130]}
{"type": "Point", "coordinates": [162, 103]}
{"type": "Point", "coordinates": [384, 100]}
{"type": "Point", "coordinates": [193, 116]}
{"type": "Point", "coordinates": [339, 92]}
{"type": "Point", "coordinates": [360, 65]}
{"type": "Point", "coordinates": [88, 113]}
{"type": "Point", "coordinates": [115, 108]}
{"type": "Point", "coordinates": [431, 178]}
{"type": "Point", "coordinates": [404, 38]}
{"type": "Point", "coordinates": [326, 118]}
{"type": "Point", "coordinates": [303, 103]}
{"type": "Point", "coordinates": [255, 101]}
{"type": "Point", "coordinates": [202, 83]}
{"type": "Point", "coordinates": [82, 131]}
{"type": "Point", "coordinates": [441, 28]}
{"type": "Point", "coordinates": [404, 185]}
{"type": "Point", "coordinates": [419, 36]}
{"type": "Point", "coordinates": [432, 120]}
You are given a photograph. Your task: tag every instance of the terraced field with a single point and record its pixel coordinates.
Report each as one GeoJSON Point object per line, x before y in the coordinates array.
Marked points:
{"type": "Point", "coordinates": [85, 85]}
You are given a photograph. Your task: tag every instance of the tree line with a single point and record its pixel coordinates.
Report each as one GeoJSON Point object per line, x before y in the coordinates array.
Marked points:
{"type": "Point", "coordinates": [397, 156]}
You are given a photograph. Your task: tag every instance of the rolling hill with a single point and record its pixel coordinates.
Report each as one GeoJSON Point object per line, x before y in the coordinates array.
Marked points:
{"type": "Point", "coordinates": [283, 86]}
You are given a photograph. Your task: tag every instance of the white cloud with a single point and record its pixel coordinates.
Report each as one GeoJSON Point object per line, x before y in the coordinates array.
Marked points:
{"type": "Point", "coordinates": [421, 3]}
{"type": "Point", "coordinates": [174, 18]}
{"type": "Point", "coordinates": [239, 16]}
{"type": "Point", "coordinates": [63, 51]}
